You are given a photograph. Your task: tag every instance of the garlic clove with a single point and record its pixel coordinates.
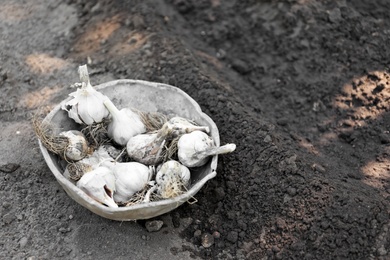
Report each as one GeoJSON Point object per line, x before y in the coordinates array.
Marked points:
{"type": "Point", "coordinates": [195, 148]}
{"type": "Point", "coordinates": [124, 124]}
{"type": "Point", "coordinates": [72, 113]}
{"type": "Point", "coordinates": [77, 147]}
{"type": "Point", "coordinates": [99, 184]}
{"type": "Point", "coordinates": [172, 179]}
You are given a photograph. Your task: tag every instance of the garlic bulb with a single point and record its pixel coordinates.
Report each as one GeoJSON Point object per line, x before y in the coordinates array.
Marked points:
{"type": "Point", "coordinates": [87, 106]}
{"type": "Point", "coordinates": [178, 126]}
{"type": "Point", "coordinates": [195, 148]}
{"type": "Point", "coordinates": [146, 148]}
{"type": "Point", "coordinates": [131, 177]}
{"type": "Point", "coordinates": [76, 147]}
{"type": "Point", "coordinates": [69, 145]}
{"type": "Point", "coordinates": [124, 125]}
{"type": "Point", "coordinates": [99, 184]}
{"type": "Point", "coordinates": [172, 179]}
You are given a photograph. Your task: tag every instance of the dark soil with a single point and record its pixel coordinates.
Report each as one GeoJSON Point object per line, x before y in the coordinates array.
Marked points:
{"type": "Point", "coordinates": [302, 87]}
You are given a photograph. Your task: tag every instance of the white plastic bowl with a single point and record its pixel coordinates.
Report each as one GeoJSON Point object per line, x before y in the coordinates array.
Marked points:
{"type": "Point", "coordinates": [149, 97]}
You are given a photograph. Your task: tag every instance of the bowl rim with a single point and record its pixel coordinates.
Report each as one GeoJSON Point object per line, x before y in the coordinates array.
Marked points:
{"type": "Point", "coordinates": [67, 184]}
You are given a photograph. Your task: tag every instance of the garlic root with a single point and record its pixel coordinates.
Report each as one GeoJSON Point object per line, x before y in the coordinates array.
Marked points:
{"type": "Point", "coordinates": [69, 145]}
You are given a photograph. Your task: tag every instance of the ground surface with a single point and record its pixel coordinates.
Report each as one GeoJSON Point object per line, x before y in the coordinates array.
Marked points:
{"type": "Point", "coordinates": [302, 87]}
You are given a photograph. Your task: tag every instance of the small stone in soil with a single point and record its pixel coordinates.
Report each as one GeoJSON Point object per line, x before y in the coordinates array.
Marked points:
{"type": "Point", "coordinates": [382, 251]}
{"type": "Point", "coordinates": [240, 66]}
{"type": "Point", "coordinates": [232, 236]}
{"type": "Point", "coordinates": [154, 225]}
{"type": "Point", "coordinates": [144, 237]}
{"type": "Point", "coordinates": [6, 205]}
{"type": "Point", "coordinates": [318, 168]}
{"type": "Point", "coordinates": [207, 240]}
{"type": "Point", "coordinates": [9, 167]}
{"type": "Point", "coordinates": [216, 234]}
{"type": "Point", "coordinates": [291, 191]}
{"type": "Point", "coordinates": [197, 233]}
{"type": "Point", "coordinates": [64, 230]}
{"type": "Point", "coordinates": [385, 138]}
{"type": "Point", "coordinates": [268, 139]}
{"type": "Point", "coordinates": [23, 242]}
{"type": "Point", "coordinates": [219, 193]}
{"type": "Point", "coordinates": [8, 218]}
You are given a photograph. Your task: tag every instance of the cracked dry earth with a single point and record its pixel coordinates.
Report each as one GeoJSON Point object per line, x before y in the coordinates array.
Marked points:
{"type": "Point", "coordinates": [301, 86]}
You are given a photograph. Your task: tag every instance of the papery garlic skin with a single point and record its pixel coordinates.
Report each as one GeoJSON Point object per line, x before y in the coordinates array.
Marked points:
{"type": "Point", "coordinates": [96, 158]}
{"type": "Point", "coordinates": [87, 106]}
{"type": "Point", "coordinates": [99, 184]}
{"type": "Point", "coordinates": [77, 147]}
{"type": "Point", "coordinates": [114, 153]}
{"type": "Point", "coordinates": [102, 154]}
{"type": "Point", "coordinates": [74, 171]}
{"type": "Point", "coordinates": [178, 126]}
{"type": "Point", "coordinates": [124, 124]}
{"type": "Point", "coordinates": [130, 178]}
{"type": "Point", "coordinates": [146, 148]}
{"type": "Point", "coordinates": [172, 179]}
{"type": "Point", "coordinates": [195, 148]}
